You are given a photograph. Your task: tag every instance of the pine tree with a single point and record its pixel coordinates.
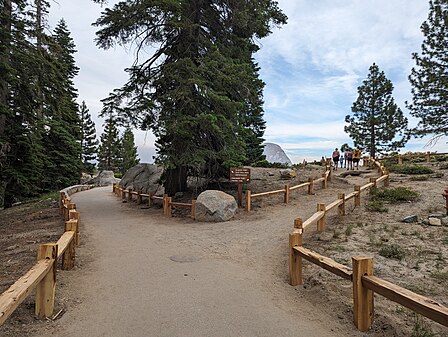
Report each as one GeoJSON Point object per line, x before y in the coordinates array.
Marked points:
{"type": "Point", "coordinates": [109, 149]}
{"type": "Point", "coordinates": [377, 123]}
{"type": "Point", "coordinates": [429, 79]}
{"type": "Point", "coordinates": [62, 134]}
{"type": "Point", "coordinates": [89, 143]}
{"type": "Point", "coordinates": [199, 92]}
{"type": "Point", "coordinates": [128, 153]}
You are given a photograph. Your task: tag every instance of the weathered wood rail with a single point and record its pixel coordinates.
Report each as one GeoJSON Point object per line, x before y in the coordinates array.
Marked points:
{"type": "Point", "coordinates": [42, 276]}
{"type": "Point", "coordinates": [401, 157]}
{"type": "Point", "coordinates": [286, 191]}
{"type": "Point", "coordinates": [361, 273]}
{"type": "Point", "coordinates": [167, 202]}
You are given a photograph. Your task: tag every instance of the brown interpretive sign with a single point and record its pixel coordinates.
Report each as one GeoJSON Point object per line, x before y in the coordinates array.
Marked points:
{"type": "Point", "coordinates": [239, 175]}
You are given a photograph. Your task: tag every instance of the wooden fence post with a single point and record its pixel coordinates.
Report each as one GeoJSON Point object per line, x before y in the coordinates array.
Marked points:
{"type": "Point", "coordinates": [428, 157]}
{"type": "Point", "coordinates": [321, 222]}
{"type": "Point", "coordinates": [373, 180]}
{"type": "Point", "coordinates": [139, 197]}
{"type": "Point", "coordinates": [123, 193]}
{"type": "Point", "coordinates": [286, 197]}
{"type": "Point", "coordinates": [362, 297]}
{"type": "Point", "coordinates": [151, 200]}
{"type": "Point", "coordinates": [358, 196]}
{"type": "Point", "coordinates": [169, 207]}
{"type": "Point", "coordinates": [400, 159]}
{"type": "Point", "coordinates": [328, 168]}
{"type": "Point", "coordinates": [324, 182]}
{"type": "Point", "coordinates": [164, 203]}
{"type": "Point", "coordinates": [129, 194]}
{"type": "Point", "coordinates": [74, 215]}
{"type": "Point", "coordinates": [341, 207]}
{"type": "Point", "coordinates": [70, 206]}
{"type": "Point", "coordinates": [248, 201]}
{"type": "Point", "coordinates": [46, 287]}
{"type": "Point", "coordinates": [387, 181]}
{"type": "Point", "coordinates": [295, 260]}
{"type": "Point", "coordinates": [311, 186]}
{"type": "Point", "coordinates": [193, 209]}
{"type": "Point", "coordinates": [68, 258]}
{"type": "Point", "coordinates": [113, 188]}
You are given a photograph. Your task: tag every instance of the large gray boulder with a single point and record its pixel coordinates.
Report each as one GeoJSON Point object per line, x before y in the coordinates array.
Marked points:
{"type": "Point", "coordinates": [275, 154]}
{"type": "Point", "coordinates": [215, 206]}
{"type": "Point", "coordinates": [104, 178]}
{"type": "Point", "coordinates": [144, 177]}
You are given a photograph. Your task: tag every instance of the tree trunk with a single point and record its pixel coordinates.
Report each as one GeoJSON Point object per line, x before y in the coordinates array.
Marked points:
{"type": "Point", "coordinates": [176, 180]}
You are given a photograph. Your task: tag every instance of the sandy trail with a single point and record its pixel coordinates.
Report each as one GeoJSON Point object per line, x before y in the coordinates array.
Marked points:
{"type": "Point", "coordinates": [144, 275]}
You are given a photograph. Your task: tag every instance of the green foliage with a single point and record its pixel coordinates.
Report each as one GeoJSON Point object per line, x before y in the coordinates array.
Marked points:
{"type": "Point", "coordinates": [89, 143]}
{"type": "Point", "coordinates": [265, 163]}
{"type": "Point", "coordinates": [376, 206]}
{"type": "Point", "coordinates": [110, 146]}
{"type": "Point", "coordinates": [428, 78]}
{"type": "Point", "coordinates": [393, 251]}
{"type": "Point", "coordinates": [419, 178]}
{"type": "Point", "coordinates": [393, 195]}
{"type": "Point", "coordinates": [199, 89]}
{"type": "Point", "coordinates": [129, 156]}
{"type": "Point", "coordinates": [410, 169]}
{"type": "Point", "coordinates": [377, 124]}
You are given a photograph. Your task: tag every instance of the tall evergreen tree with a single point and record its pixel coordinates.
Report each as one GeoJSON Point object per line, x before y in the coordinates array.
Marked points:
{"type": "Point", "coordinates": [199, 92]}
{"type": "Point", "coordinates": [128, 151]}
{"type": "Point", "coordinates": [429, 79]}
{"type": "Point", "coordinates": [377, 123]}
{"type": "Point", "coordinates": [89, 143]}
{"type": "Point", "coordinates": [109, 148]}
{"type": "Point", "coordinates": [62, 132]}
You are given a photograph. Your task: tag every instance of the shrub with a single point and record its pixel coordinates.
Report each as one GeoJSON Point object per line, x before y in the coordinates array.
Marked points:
{"type": "Point", "coordinates": [421, 329]}
{"type": "Point", "coordinates": [376, 206]}
{"type": "Point", "coordinates": [393, 195]}
{"type": "Point", "coordinates": [419, 178]}
{"type": "Point", "coordinates": [393, 251]}
{"type": "Point", "coordinates": [410, 169]}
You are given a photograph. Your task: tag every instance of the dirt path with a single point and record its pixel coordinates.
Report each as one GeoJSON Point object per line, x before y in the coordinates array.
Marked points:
{"type": "Point", "coordinates": [144, 275]}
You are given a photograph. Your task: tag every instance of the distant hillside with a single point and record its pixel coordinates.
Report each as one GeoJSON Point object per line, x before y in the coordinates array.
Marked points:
{"type": "Point", "coordinates": [275, 154]}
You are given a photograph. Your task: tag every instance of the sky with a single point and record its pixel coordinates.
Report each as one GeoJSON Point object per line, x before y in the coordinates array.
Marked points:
{"type": "Point", "coordinates": [312, 67]}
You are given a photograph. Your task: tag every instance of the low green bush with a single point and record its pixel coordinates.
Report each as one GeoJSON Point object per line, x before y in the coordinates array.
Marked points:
{"type": "Point", "coordinates": [410, 169]}
{"type": "Point", "coordinates": [376, 206]}
{"type": "Point", "coordinates": [393, 195]}
{"type": "Point", "coordinates": [392, 251]}
{"type": "Point", "coordinates": [419, 178]}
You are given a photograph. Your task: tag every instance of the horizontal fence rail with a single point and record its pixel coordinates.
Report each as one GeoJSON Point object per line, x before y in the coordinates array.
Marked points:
{"type": "Point", "coordinates": [42, 276]}
{"type": "Point", "coordinates": [167, 202]}
{"type": "Point", "coordinates": [286, 191]}
{"type": "Point", "coordinates": [361, 275]}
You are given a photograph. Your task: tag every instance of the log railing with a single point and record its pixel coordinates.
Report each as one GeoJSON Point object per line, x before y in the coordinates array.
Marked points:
{"type": "Point", "coordinates": [286, 191]}
{"type": "Point", "coordinates": [167, 202]}
{"type": "Point", "coordinates": [400, 157]}
{"type": "Point", "coordinates": [361, 275]}
{"type": "Point", "coordinates": [42, 276]}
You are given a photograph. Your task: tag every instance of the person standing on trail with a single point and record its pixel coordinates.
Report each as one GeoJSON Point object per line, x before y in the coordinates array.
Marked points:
{"type": "Point", "coordinates": [335, 155]}
{"type": "Point", "coordinates": [349, 160]}
{"type": "Point", "coordinates": [345, 157]}
{"type": "Point", "coordinates": [356, 157]}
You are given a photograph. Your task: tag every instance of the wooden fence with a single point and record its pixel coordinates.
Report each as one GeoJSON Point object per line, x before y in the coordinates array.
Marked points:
{"type": "Point", "coordinates": [42, 276]}
{"type": "Point", "coordinates": [167, 202]}
{"type": "Point", "coordinates": [400, 157]}
{"type": "Point", "coordinates": [286, 191]}
{"type": "Point", "coordinates": [361, 273]}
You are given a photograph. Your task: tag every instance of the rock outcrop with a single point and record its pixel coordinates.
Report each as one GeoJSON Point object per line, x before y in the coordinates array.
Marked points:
{"type": "Point", "coordinates": [143, 177]}
{"type": "Point", "coordinates": [104, 178]}
{"type": "Point", "coordinates": [275, 154]}
{"type": "Point", "coordinates": [215, 206]}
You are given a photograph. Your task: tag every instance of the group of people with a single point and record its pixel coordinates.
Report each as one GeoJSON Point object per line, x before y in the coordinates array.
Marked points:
{"type": "Point", "coordinates": [350, 159]}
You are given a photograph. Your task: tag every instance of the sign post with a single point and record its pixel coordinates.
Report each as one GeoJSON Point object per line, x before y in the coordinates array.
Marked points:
{"type": "Point", "coordinates": [240, 175]}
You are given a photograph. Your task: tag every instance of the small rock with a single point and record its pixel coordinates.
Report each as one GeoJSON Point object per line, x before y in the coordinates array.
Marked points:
{"type": "Point", "coordinates": [444, 221]}
{"type": "Point", "coordinates": [438, 215]}
{"type": "Point", "coordinates": [410, 219]}
{"type": "Point", "coordinates": [435, 222]}
{"type": "Point", "coordinates": [271, 174]}
{"type": "Point", "coordinates": [288, 174]}
{"type": "Point", "coordinates": [425, 222]}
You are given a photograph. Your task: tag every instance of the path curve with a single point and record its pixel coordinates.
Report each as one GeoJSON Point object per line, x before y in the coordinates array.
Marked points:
{"type": "Point", "coordinates": [144, 275]}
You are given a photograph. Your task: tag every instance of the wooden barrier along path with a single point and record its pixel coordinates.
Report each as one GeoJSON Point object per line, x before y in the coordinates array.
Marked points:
{"type": "Point", "coordinates": [361, 275]}
{"type": "Point", "coordinates": [42, 276]}
{"type": "Point", "coordinates": [167, 202]}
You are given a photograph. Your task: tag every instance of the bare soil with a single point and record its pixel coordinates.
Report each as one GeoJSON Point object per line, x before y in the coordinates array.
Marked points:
{"type": "Point", "coordinates": [422, 269]}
